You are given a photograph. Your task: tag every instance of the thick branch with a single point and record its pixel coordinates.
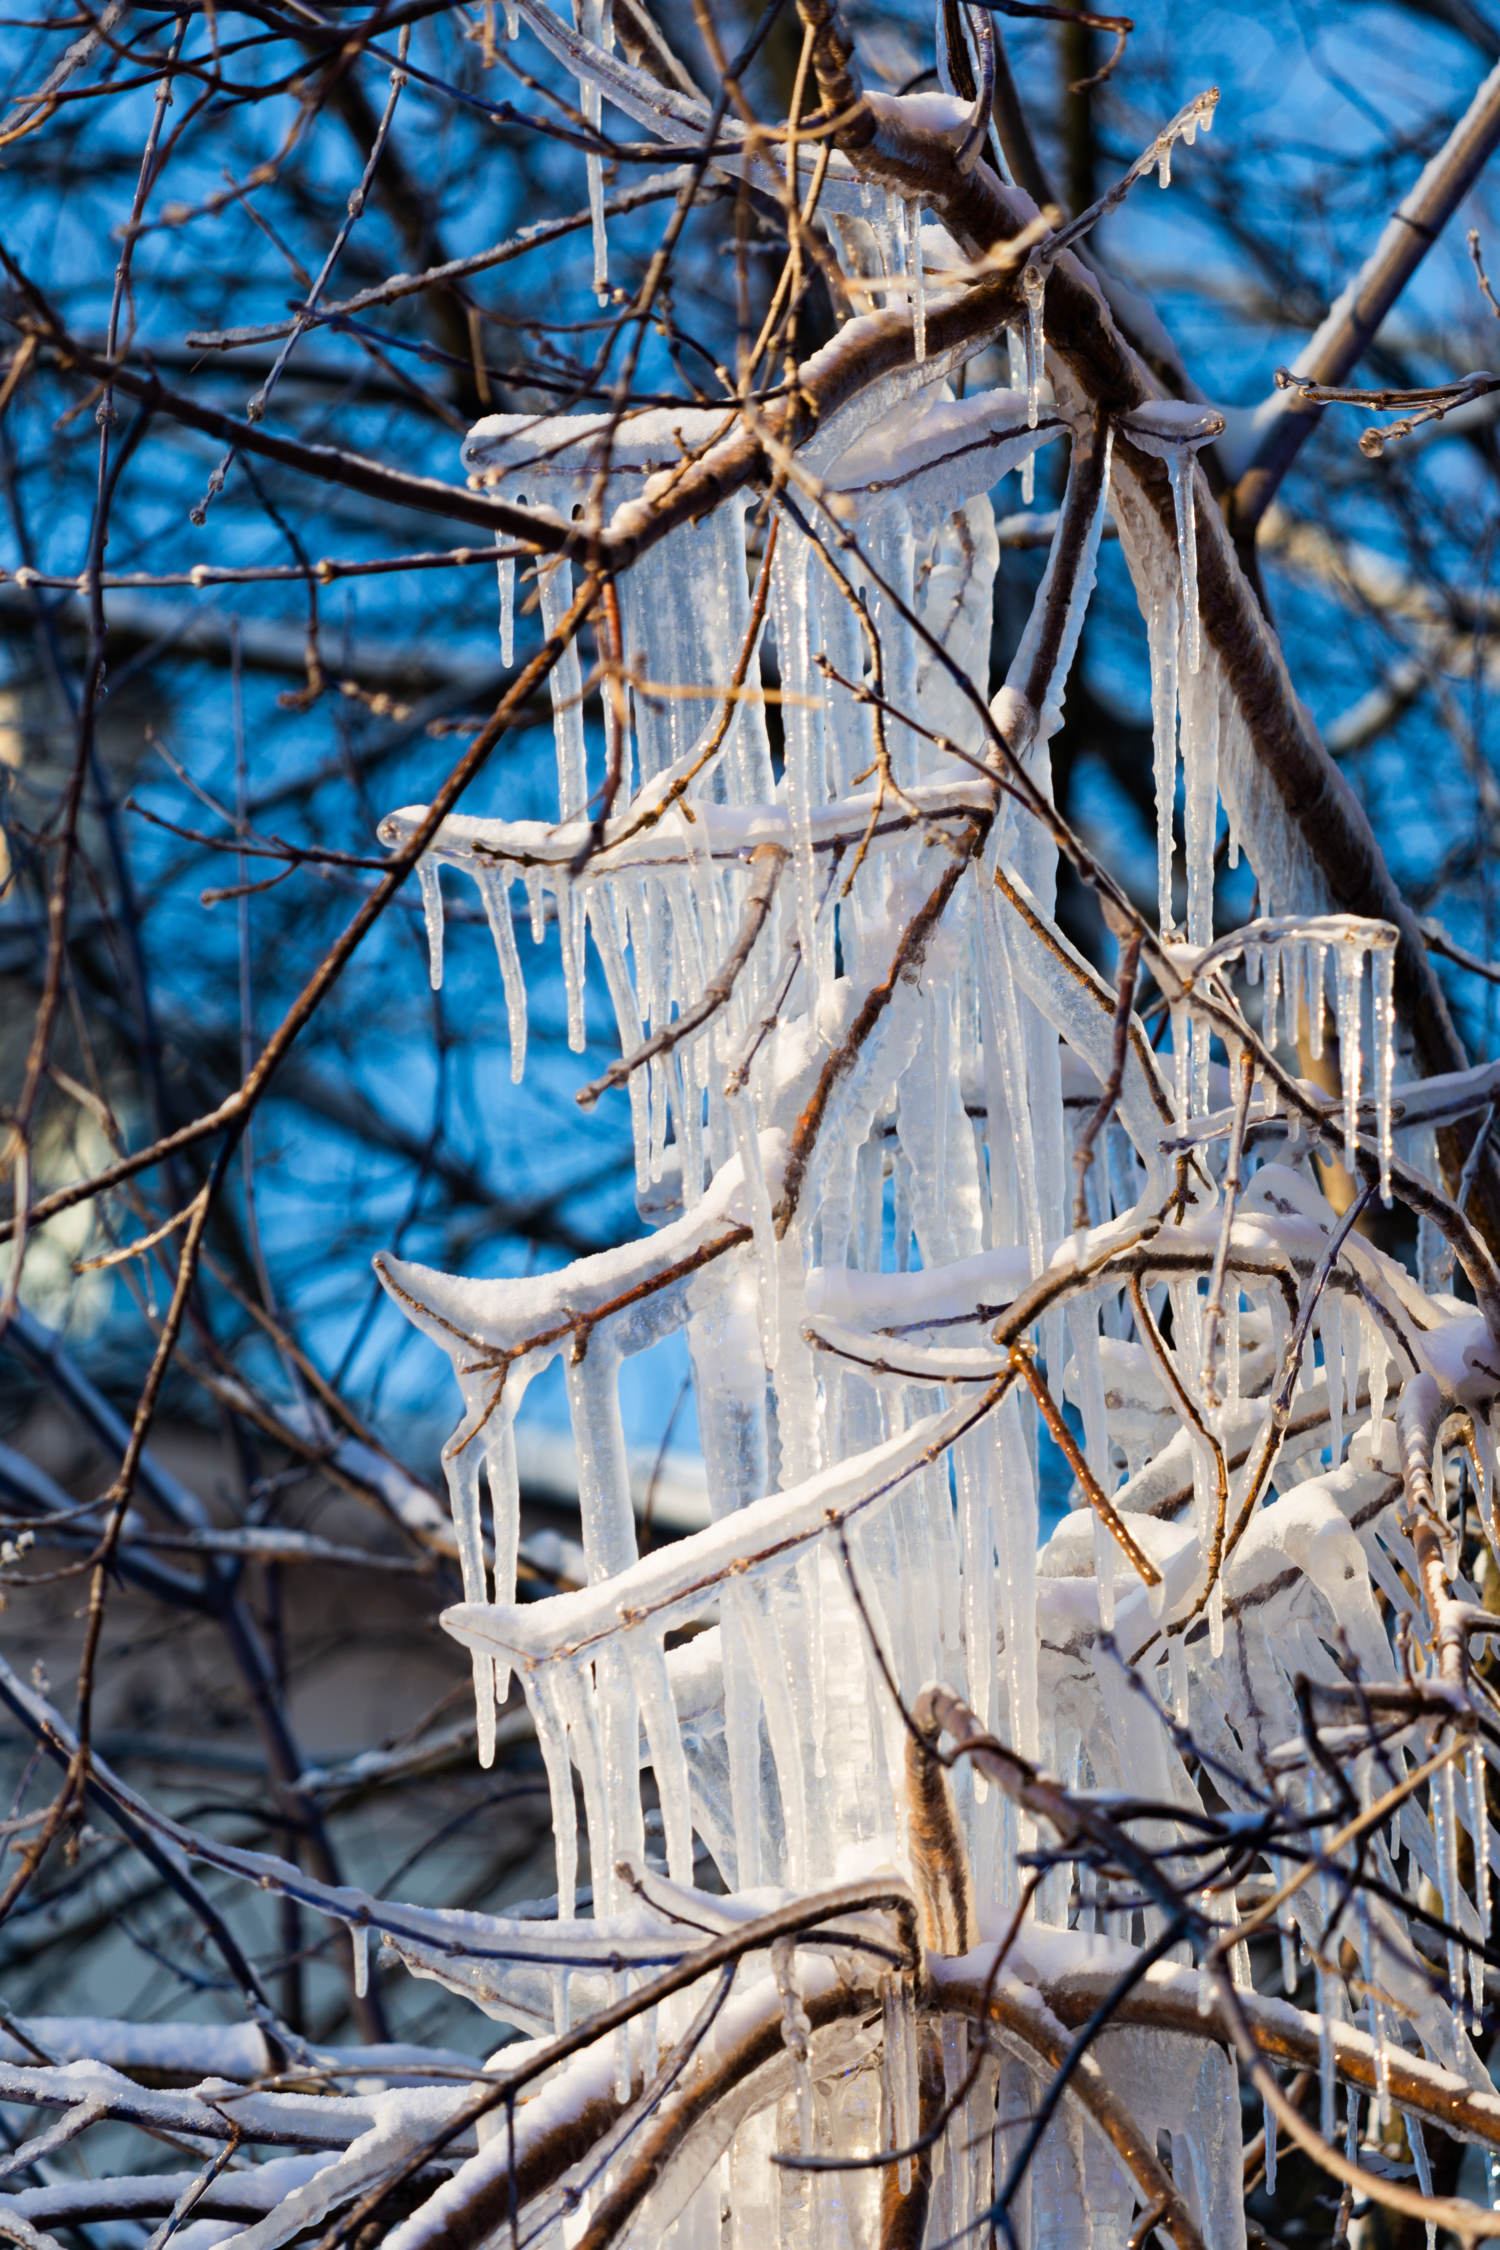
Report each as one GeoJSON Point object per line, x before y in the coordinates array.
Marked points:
{"type": "Point", "coordinates": [1288, 419]}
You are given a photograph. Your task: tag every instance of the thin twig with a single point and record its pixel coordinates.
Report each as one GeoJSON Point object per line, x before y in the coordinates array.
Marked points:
{"type": "Point", "coordinates": [1083, 1154]}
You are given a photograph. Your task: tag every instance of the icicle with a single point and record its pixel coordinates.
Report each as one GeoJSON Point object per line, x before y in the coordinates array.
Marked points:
{"type": "Point", "coordinates": [1327, 2072]}
{"type": "Point", "coordinates": [1270, 2118]}
{"type": "Point", "coordinates": [1331, 1329]}
{"type": "Point", "coordinates": [1033, 294]}
{"type": "Point", "coordinates": [592, 19]}
{"type": "Point", "coordinates": [1445, 1836]}
{"type": "Point", "coordinates": [1286, 1930]}
{"type": "Point", "coordinates": [1418, 2143]}
{"type": "Point", "coordinates": [762, 1221]}
{"type": "Point", "coordinates": [1352, 1333]}
{"type": "Point", "coordinates": [1351, 2124]}
{"type": "Point", "coordinates": [900, 2051]}
{"type": "Point", "coordinates": [901, 1211]}
{"type": "Point", "coordinates": [359, 1937]}
{"type": "Point", "coordinates": [918, 281]}
{"type": "Point", "coordinates": [1200, 766]}
{"type": "Point", "coordinates": [1017, 354]}
{"type": "Point", "coordinates": [1162, 637]}
{"type": "Point", "coordinates": [461, 1468]}
{"type": "Point", "coordinates": [1232, 1344]}
{"type": "Point", "coordinates": [1181, 1706]}
{"type": "Point", "coordinates": [432, 914]}
{"type": "Point", "coordinates": [1383, 1032]}
{"type": "Point", "coordinates": [809, 1589]}
{"type": "Point", "coordinates": [1016, 1543]}
{"type": "Point", "coordinates": [890, 234]}
{"type": "Point", "coordinates": [1172, 430]}
{"type": "Point", "coordinates": [796, 2034]}
{"type": "Point", "coordinates": [1349, 977]}
{"type": "Point", "coordinates": [605, 921]}
{"type": "Point", "coordinates": [1374, 2016]}
{"type": "Point", "coordinates": [555, 587]}
{"type": "Point", "coordinates": [567, 934]}
{"type": "Point", "coordinates": [505, 571]}
{"type": "Point", "coordinates": [795, 610]}
{"type": "Point", "coordinates": [494, 889]}
{"type": "Point", "coordinates": [1479, 1831]}
{"type": "Point", "coordinates": [1379, 1364]}
{"type": "Point", "coordinates": [1315, 960]}
{"type": "Point", "coordinates": [742, 1714]}
{"type": "Point", "coordinates": [1382, 2064]}
{"type": "Point", "coordinates": [1216, 1619]}
{"type": "Point", "coordinates": [595, 170]}
{"type": "Point", "coordinates": [536, 901]}
{"type": "Point", "coordinates": [1181, 468]}
{"type": "Point", "coordinates": [1272, 994]}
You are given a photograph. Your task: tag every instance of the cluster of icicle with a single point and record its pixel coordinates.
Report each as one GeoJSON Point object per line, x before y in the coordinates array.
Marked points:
{"type": "Point", "coordinates": [838, 1363]}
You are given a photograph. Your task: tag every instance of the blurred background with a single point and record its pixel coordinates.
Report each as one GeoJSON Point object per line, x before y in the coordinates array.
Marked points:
{"type": "Point", "coordinates": [303, 1414]}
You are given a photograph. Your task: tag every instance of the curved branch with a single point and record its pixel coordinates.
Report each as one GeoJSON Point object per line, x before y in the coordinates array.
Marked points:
{"type": "Point", "coordinates": [1029, 2021]}
{"type": "Point", "coordinates": [757, 2051]}
{"type": "Point", "coordinates": [1168, 1999]}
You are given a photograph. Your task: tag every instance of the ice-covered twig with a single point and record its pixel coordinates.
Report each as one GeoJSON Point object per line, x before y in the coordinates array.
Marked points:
{"type": "Point", "coordinates": [674, 1584]}
{"type": "Point", "coordinates": [1114, 1523]}
{"type": "Point", "coordinates": [1075, 1819]}
{"type": "Point", "coordinates": [1197, 116]}
{"type": "Point", "coordinates": [1431, 404]}
{"type": "Point", "coordinates": [604, 2155]}
{"type": "Point", "coordinates": [729, 832]}
{"type": "Point", "coordinates": [643, 42]}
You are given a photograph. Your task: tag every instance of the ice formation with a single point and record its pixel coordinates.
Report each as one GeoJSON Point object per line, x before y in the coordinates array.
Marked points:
{"type": "Point", "coordinates": [856, 1166]}
{"type": "Point", "coordinates": [938, 1216]}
